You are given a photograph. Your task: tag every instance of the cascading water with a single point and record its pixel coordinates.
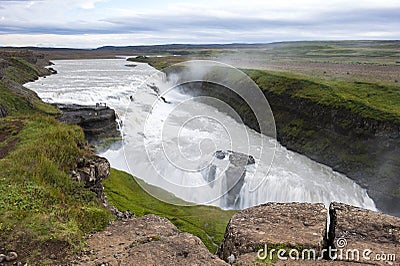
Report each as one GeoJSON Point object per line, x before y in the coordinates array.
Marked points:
{"type": "Point", "coordinates": [193, 138]}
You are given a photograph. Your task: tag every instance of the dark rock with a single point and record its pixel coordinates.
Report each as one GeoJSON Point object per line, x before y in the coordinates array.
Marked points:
{"type": "Point", "coordinates": [2, 257]}
{"type": "Point", "coordinates": [233, 183]}
{"type": "Point", "coordinates": [92, 172]}
{"type": "Point", "coordinates": [52, 70]}
{"type": "Point", "coordinates": [236, 158]}
{"type": "Point", "coordinates": [164, 100]}
{"type": "Point", "coordinates": [273, 224]}
{"type": "Point", "coordinates": [126, 215]}
{"type": "Point", "coordinates": [220, 154]}
{"type": "Point", "coordinates": [3, 111]}
{"type": "Point", "coordinates": [234, 176]}
{"type": "Point", "coordinates": [97, 121]}
{"type": "Point", "coordinates": [353, 228]}
{"type": "Point", "coordinates": [154, 88]}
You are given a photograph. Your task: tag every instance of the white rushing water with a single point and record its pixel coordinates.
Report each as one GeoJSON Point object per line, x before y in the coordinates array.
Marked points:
{"type": "Point", "coordinates": [169, 164]}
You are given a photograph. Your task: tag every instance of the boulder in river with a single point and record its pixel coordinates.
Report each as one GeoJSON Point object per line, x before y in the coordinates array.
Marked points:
{"type": "Point", "coordinates": [233, 177]}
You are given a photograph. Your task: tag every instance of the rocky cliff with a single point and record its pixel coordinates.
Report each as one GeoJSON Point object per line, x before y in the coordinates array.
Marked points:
{"type": "Point", "coordinates": [98, 122]}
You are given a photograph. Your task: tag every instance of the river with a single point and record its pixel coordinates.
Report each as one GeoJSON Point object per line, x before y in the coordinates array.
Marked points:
{"type": "Point", "coordinates": [191, 130]}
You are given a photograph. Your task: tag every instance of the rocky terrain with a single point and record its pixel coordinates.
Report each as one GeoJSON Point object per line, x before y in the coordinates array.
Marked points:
{"type": "Point", "coordinates": [293, 228]}
{"type": "Point", "coordinates": [303, 227]}
{"type": "Point", "coordinates": [148, 240]}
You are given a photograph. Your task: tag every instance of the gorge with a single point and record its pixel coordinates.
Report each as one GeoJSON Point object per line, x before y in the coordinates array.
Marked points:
{"type": "Point", "coordinates": [292, 177]}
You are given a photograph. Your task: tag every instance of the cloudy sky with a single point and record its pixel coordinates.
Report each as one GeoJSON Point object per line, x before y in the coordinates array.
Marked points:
{"type": "Point", "coordinates": [94, 23]}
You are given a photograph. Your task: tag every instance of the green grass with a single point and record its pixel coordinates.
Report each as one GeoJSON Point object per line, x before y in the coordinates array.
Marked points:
{"type": "Point", "coordinates": [206, 222]}
{"type": "Point", "coordinates": [369, 100]}
{"type": "Point", "coordinates": [17, 99]}
{"type": "Point", "coordinates": [39, 202]}
{"type": "Point", "coordinates": [159, 62]}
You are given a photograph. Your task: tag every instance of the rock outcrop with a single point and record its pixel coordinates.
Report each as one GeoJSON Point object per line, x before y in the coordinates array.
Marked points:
{"type": "Point", "coordinates": [92, 172]}
{"type": "Point", "coordinates": [363, 234]}
{"type": "Point", "coordinates": [3, 111]}
{"type": "Point", "coordinates": [233, 179]}
{"type": "Point", "coordinates": [273, 225]}
{"type": "Point", "coordinates": [98, 122]}
{"type": "Point", "coordinates": [355, 236]}
{"type": "Point", "coordinates": [148, 240]}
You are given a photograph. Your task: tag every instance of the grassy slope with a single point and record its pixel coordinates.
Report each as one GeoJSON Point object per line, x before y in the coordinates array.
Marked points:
{"type": "Point", "coordinates": [40, 205]}
{"type": "Point", "coordinates": [370, 100]}
{"type": "Point", "coordinates": [17, 99]}
{"type": "Point", "coordinates": [39, 201]}
{"type": "Point", "coordinates": [206, 222]}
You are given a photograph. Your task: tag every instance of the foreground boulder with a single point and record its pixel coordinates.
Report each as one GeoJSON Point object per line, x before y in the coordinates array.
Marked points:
{"type": "Point", "coordinates": [301, 225]}
{"type": "Point", "coordinates": [148, 240]}
{"type": "Point", "coordinates": [363, 235]}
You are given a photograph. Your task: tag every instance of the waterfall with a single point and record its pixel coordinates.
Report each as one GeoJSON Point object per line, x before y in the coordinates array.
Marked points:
{"type": "Point", "coordinates": [177, 143]}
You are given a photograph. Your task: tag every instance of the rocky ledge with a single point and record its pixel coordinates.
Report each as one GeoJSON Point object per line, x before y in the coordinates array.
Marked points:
{"type": "Point", "coordinates": [355, 236]}
{"type": "Point", "coordinates": [98, 122]}
{"type": "Point", "coordinates": [148, 240]}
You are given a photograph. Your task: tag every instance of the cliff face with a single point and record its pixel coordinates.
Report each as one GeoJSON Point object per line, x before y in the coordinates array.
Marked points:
{"type": "Point", "coordinates": [97, 122]}
{"type": "Point", "coordinates": [364, 148]}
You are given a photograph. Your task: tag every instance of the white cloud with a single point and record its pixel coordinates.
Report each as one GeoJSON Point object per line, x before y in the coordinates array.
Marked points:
{"type": "Point", "coordinates": [64, 23]}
